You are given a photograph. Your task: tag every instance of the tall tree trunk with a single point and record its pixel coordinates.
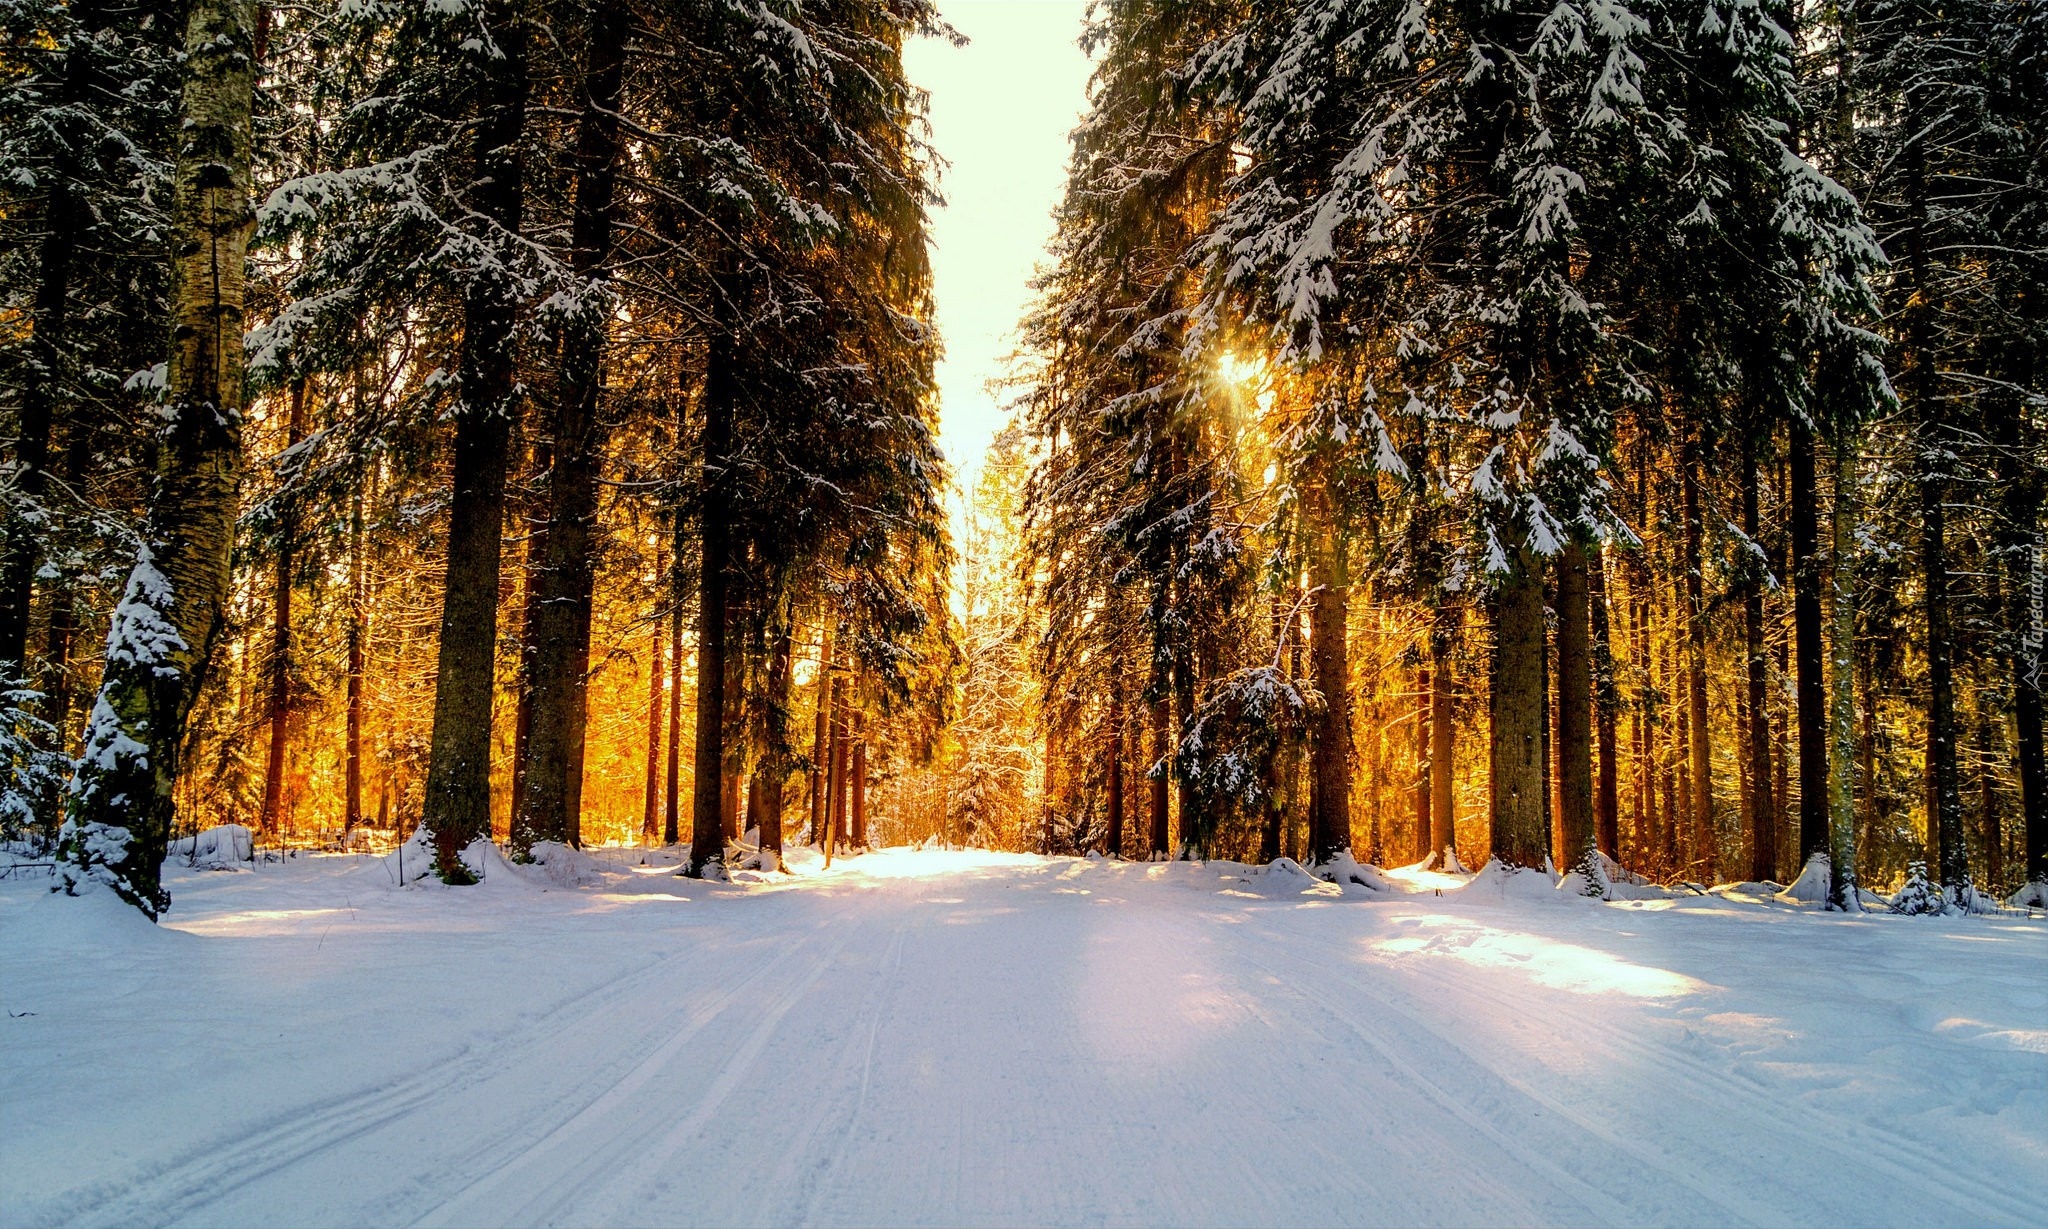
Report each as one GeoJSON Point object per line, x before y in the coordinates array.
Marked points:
{"type": "Point", "coordinates": [650, 812]}
{"type": "Point", "coordinates": [2026, 556]}
{"type": "Point", "coordinates": [1114, 846]}
{"type": "Point", "coordinates": [772, 775]}
{"type": "Point", "coordinates": [358, 613]}
{"type": "Point", "coordinates": [835, 781]}
{"type": "Point", "coordinates": [707, 832]}
{"type": "Point", "coordinates": [1704, 851]}
{"type": "Point", "coordinates": [1807, 654]}
{"type": "Point", "coordinates": [550, 802]}
{"type": "Point", "coordinates": [1606, 716]}
{"type": "Point", "coordinates": [671, 822]}
{"type": "Point", "coordinates": [1330, 728]}
{"type": "Point", "coordinates": [1162, 757]}
{"type": "Point", "coordinates": [738, 731]}
{"type": "Point", "coordinates": [278, 704]}
{"type": "Point", "coordinates": [1575, 710]}
{"type": "Point", "coordinates": [859, 784]}
{"type": "Point", "coordinates": [1991, 831]}
{"type": "Point", "coordinates": [1520, 835]}
{"type": "Point", "coordinates": [1763, 814]}
{"type": "Point", "coordinates": [1842, 887]}
{"type": "Point", "coordinates": [1443, 818]}
{"type": "Point", "coordinates": [821, 734]}
{"type": "Point", "coordinates": [121, 806]}
{"type": "Point", "coordinates": [50, 346]}
{"type": "Point", "coordinates": [1419, 795]}
{"type": "Point", "coordinates": [457, 807]}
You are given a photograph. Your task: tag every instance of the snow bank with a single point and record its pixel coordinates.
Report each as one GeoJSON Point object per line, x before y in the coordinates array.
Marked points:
{"type": "Point", "coordinates": [558, 864]}
{"type": "Point", "coordinates": [1498, 882]}
{"type": "Point", "coordinates": [1348, 873]}
{"type": "Point", "coordinates": [225, 847]}
{"type": "Point", "coordinates": [412, 864]}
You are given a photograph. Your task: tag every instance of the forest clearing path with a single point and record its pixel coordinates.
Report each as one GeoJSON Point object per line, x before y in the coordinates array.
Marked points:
{"type": "Point", "coordinates": [967, 1038]}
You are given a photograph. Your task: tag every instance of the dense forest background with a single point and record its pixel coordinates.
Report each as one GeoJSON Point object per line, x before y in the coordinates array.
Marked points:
{"type": "Point", "coordinates": [1604, 433]}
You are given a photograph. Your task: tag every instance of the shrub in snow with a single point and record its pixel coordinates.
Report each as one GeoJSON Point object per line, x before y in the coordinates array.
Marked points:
{"type": "Point", "coordinates": [2032, 896]}
{"type": "Point", "coordinates": [31, 777]}
{"type": "Point", "coordinates": [1918, 897]}
{"type": "Point", "coordinates": [224, 847]}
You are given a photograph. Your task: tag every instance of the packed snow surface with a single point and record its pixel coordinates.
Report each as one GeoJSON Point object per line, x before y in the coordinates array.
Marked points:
{"type": "Point", "coordinates": [942, 1038]}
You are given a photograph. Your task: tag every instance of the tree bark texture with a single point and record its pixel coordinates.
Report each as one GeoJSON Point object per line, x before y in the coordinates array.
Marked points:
{"type": "Point", "coordinates": [1330, 732]}
{"type": "Point", "coordinates": [1807, 652]}
{"type": "Point", "coordinates": [278, 704]}
{"type": "Point", "coordinates": [1443, 732]}
{"type": "Point", "coordinates": [1763, 811]}
{"type": "Point", "coordinates": [1520, 835]}
{"type": "Point", "coordinates": [458, 793]}
{"type": "Point", "coordinates": [1574, 710]}
{"type": "Point", "coordinates": [121, 807]}
{"type": "Point", "coordinates": [707, 819]}
{"type": "Point", "coordinates": [1842, 887]}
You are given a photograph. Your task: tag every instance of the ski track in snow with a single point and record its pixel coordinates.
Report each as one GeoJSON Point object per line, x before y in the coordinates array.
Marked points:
{"type": "Point", "coordinates": [957, 1038]}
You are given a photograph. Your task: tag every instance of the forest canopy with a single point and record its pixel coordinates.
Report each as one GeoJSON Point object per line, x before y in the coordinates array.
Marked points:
{"type": "Point", "coordinates": [1597, 436]}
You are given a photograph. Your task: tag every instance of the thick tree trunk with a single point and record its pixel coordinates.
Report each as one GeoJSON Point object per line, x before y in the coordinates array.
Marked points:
{"type": "Point", "coordinates": [1443, 732]}
{"type": "Point", "coordinates": [1704, 851]}
{"type": "Point", "coordinates": [1763, 812]}
{"type": "Point", "coordinates": [1520, 835]}
{"type": "Point", "coordinates": [1575, 710]}
{"type": "Point", "coordinates": [458, 794]}
{"type": "Point", "coordinates": [550, 802]}
{"type": "Point", "coordinates": [1842, 886]}
{"type": "Point", "coordinates": [707, 834]}
{"type": "Point", "coordinates": [1330, 728]}
{"type": "Point", "coordinates": [1606, 716]}
{"type": "Point", "coordinates": [1807, 653]}
{"type": "Point", "coordinates": [121, 806]}
{"type": "Point", "coordinates": [278, 704]}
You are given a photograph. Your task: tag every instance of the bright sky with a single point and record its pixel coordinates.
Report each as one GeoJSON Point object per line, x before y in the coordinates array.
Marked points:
{"type": "Point", "coordinates": [1001, 109]}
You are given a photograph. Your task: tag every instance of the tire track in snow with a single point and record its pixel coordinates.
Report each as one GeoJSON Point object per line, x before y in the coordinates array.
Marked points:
{"type": "Point", "coordinates": [1911, 1167]}
{"type": "Point", "coordinates": [571, 1160]}
{"type": "Point", "coordinates": [205, 1173]}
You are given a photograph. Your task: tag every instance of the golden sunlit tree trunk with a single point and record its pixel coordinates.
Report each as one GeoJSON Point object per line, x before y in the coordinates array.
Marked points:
{"type": "Point", "coordinates": [1443, 733]}
{"type": "Point", "coordinates": [278, 704]}
{"type": "Point", "coordinates": [1842, 886]}
{"type": "Point", "coordinates": [1520, 833]}
{"type": "Point", "coordinates": [121, 805]}
{"type": "Point", "coordinates": [1575, 712]}
{"type": "Point", "coordinates": [457, 807]}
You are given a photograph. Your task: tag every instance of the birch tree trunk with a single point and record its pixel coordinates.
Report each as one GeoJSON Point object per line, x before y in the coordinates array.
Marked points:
{"type": "Point", "coordinates": [121, 806]}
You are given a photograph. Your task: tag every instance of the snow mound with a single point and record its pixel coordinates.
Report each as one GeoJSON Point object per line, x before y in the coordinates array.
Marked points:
{"type": "Point", "coordinates": [1282, 878]}
{"type": "Point", "coordinates": [412, 864]}
{"type": "Point", "coordinates": [2032, 896]}
{"type": "Point", "coordinates": [1496, 881]}
{"type": "Point", "coordinates": [224, 847]}
{"type": "Point", "coordinates": [1348, 872]}
{"type": "Point", "coordinates": [1811, 888]}
{"type": "Point", "coordinates": [1451, 864]}
{"type": "Point", "coordinates": [564, 865]}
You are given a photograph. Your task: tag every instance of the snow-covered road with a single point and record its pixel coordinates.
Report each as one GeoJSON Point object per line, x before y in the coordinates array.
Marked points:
{"type": "Point", "coordinates": [961, 1038]}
